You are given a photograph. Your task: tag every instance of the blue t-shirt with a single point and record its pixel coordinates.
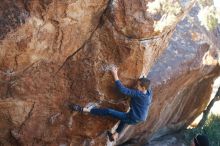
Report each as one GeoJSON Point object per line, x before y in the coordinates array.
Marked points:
{"type": "Point", "coordinates": [140, 102]}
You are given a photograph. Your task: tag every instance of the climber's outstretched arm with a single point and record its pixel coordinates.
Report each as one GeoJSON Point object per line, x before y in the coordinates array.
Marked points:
{"type": "Point", "coordinates": [120, 86]}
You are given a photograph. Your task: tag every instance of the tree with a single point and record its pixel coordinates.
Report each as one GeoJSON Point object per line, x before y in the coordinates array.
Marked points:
{"type": "Point", "coordinates": [168, 11]}
{"type": "Point", "coordinates": [207, 110]}
{"type": "Point", "coordinates": [209, 15]}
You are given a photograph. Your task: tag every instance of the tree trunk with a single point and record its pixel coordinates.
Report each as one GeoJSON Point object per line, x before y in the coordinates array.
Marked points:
{"type": "Point", "coordinates": [206, 112]}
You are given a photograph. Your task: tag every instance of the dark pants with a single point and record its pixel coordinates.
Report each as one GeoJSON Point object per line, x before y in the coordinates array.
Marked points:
{"type": "Point", "coordinates": [122, 116]}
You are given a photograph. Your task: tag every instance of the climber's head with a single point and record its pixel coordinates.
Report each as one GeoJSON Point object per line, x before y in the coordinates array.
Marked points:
{"type": "Point", "coordinates": [200, 140]}
{"type": "Point", "coordinates": [143, 84]}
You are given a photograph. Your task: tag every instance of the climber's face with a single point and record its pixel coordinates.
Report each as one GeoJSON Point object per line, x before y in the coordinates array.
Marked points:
{"type": "Point", "coordinates": [139, 87]}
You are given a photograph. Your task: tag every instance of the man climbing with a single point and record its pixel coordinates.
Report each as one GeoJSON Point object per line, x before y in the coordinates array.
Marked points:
{"type": "Point", "coordinates": [139, 105]}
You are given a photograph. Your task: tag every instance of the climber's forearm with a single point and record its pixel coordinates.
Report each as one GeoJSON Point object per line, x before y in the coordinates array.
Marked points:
{"type": "Point", "coordinates": [114, 71]}
{"type": "Point", "coordinates": [115, 76]}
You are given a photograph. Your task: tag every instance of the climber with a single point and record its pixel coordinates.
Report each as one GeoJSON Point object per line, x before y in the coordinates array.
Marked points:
{"type": "Point", "coordinates": [200, 140]}
{"type": "Point", "coordinates": [139, 105]}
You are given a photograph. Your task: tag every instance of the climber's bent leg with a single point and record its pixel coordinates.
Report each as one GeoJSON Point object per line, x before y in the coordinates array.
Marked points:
{"type": "Point", "coordinates": [114, 136]}
{"type": "Point", "coordinates": [126, 121]}
{"type": "Point", "coordinates": [109, 112]}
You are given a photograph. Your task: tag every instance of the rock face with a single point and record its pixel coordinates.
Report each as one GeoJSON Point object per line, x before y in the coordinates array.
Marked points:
{"type": "Point", "coordinates": [182, 81]}
{"type": "Point", "coordinates": [53, 52]}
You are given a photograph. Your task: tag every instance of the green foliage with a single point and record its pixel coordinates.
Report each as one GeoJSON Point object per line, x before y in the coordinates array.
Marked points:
{"type": "Point", "coordinates": [211, 129]}
{"type": "Point", "coordinates": [208, 15]}
{"type": "Point", "coordinates": [164, 6]}
{"type": "Point", "coordinates": [167, 9]}
{"type": "Point", "coordinates": [204, 3]}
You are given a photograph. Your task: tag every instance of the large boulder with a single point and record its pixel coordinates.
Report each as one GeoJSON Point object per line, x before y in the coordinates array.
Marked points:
{"type": "Point", "coordinates": [182, 80]}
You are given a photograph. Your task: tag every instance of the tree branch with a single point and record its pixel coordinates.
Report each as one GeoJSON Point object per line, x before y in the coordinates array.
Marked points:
{"type": "Point", "coordinates": [207, 111]}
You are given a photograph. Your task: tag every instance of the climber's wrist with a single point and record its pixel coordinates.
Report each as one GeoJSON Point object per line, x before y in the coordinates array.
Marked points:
{"type": "Point", "coordinates": [115, 77]}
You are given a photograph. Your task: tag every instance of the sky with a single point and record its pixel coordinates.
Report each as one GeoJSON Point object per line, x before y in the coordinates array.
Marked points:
{"type": "Point", "coordinates": [217, 3]}
{"type": "Point", "coordinates": [216, 108]}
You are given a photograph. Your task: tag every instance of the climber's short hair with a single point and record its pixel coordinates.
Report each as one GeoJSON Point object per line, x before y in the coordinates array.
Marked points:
{"type": "Point", "coordinates": [144, 82]}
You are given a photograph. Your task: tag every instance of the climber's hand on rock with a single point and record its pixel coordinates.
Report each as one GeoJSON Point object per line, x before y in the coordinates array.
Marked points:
{"type": "Point", "coordinates": [114, 71]}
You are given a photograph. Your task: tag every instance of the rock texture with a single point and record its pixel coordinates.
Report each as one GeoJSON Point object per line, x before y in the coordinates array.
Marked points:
{"type": "Point", "coordinates": [182, 82]}
{"type": "Point", "coordinates": [53, 52]}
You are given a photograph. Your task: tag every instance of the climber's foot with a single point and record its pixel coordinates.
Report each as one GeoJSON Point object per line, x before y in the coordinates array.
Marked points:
{"type": "Point", "coordinates": [75, 107]}
{"type": "Point", "coordinates": [89, 106]}
{"type": "Point", "coordinates": [112, 137]}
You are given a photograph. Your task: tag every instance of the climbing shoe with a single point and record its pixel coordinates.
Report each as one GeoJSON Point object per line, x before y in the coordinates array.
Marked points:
{"type": "Point", "coordinates": [75, 107]}
{"type": "Point", "coordinates": [90, 106]}
{"type": "Point", "coordinates": [110, 136]}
